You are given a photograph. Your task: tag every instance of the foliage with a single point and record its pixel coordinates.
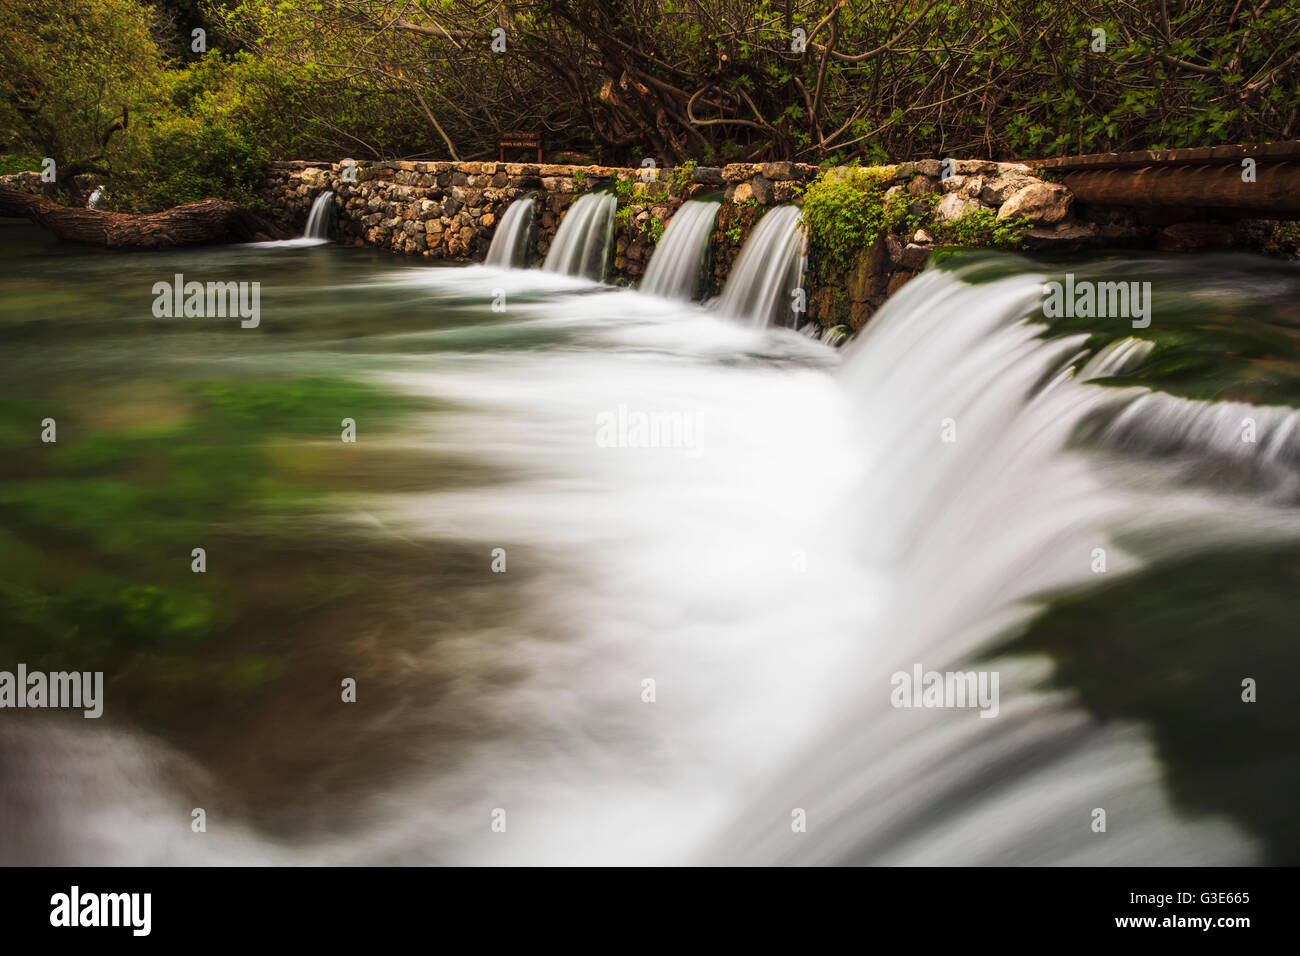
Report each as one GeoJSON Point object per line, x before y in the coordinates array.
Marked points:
{"type": "Point", "coordinates": [198, 149]}
{"type": "Point", "coordinates": [16, 163]}
{"type": "Point", "coordinates": [982, 227]}
{"type": "Point", "coordinates": [74, 75]}
{"type": "Point", "coordinates": [113, 86]}
{"type": "Point", "coordinates": [684, 176]}
{"type": "Point", "coordinates": [844, 213]}
{"type": "Point", "coordinates": [723, 81]}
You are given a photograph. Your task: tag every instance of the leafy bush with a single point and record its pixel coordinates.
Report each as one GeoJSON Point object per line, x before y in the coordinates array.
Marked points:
{"type": "Point", "coordinates": [844, 213]}
{"type": "Point", "coordinates": [982, 227]}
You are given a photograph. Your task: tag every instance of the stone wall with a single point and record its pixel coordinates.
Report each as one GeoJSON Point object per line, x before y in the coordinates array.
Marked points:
{"type": "Point", "coordinates": [450, 210]}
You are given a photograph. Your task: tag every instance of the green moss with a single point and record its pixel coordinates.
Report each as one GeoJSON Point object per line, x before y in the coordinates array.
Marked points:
{"type": "Point", "coordinates": [982, 227]}
{"type": "Point", "coordinates": [843, 214]}
{"type": "Point", "coordinates": [684, 176]}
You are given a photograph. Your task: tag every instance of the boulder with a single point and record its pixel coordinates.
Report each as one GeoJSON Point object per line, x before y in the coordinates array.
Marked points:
{"type": "Point", "coordinates": [914, 256]}
{"type": "Point", "coordinates": [761, 189]}
{"type": "Point", "coordinates": [997, 191]}
{"type": "Point", "coordinates": [777, 170]}
{"type": "Point", "coordinates": [953, 206]}
{"type": "Point", "coordinates": [1043, 203]}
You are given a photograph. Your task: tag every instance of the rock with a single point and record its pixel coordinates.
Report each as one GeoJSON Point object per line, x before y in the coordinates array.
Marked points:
{"type": "Point", "coordinates": [914, 256]}
{"type": "Point", "coordinates": [953, 184]}
{"type": "Point", "coordinates": [741, 192]}
{"type": "Point", "coordinates": [314, 178]}
{"type": "Point", "coordinates": [865, 278]}
{"type": "Point", "coordinates": [1043, 203]}
{"type": "Point", "coordinates": [972, 187]}
{"type": "Point", "coordinates": [761, 188]}
{"type": "Point", "coordinates": [929, 167]}
{"type": "Point", "coordinates": [951, 207]}
{"type": "Point", "coordinates": [709, 175]}
{"type": "Point", "coordinates": [969, 167]}
{"type": "Point", "coordinates": [923, 236]}
{"type": "Point", "coordinates": [488, 219]}
{"type": "Point", "coordinates": [859, 312]}
{"type": "Point", "coordinates": [921, 186]}
{"type": "Point", "coordinates": [897, 281]}
{"type": "Point", "coordinates": [1065, 236]}
{"type": "Point", "coordinates": [894, 246]}
{"type": "Point", "coordinates": [997, 191]}
{"type": "Point", "coordinates": [777, 170]}
{"type": "Point", "coordinates": [893, 191]}
{"type": "Point", "coordinates": [738, 172]}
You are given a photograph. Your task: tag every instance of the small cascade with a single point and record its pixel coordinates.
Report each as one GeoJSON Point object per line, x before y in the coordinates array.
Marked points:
{"type": "Point", "coordinates": [318, 221]}
{"type": "Point", "coordinates": [582, 243]}
{"type": "Point", "coordinates": [674, 269]}
{"type": "Point", "coordinates": [510, 242]}
{"type": "Point", "coordinates": [770, 267]}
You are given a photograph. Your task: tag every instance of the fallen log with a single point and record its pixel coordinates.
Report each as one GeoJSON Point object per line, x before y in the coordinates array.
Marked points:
{"type": "Point", "coordinates": [206, 221]}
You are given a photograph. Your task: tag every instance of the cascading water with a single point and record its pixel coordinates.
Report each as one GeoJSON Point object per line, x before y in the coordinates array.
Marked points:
{"type": "Point", "coordinates": [974, 500]}
{"type": "Point", "coordinates": [761, 287]}
{"type": "Point", "coordinates": [674, 269]}
{"type": "Point", "coordinates": [582, 243]}
{"type": "Point", "coordinates": [318, 220]}
{"type": "Point", "coordinates": [697, 629]}
{"type": "Point", "coordinates": [510, 242]}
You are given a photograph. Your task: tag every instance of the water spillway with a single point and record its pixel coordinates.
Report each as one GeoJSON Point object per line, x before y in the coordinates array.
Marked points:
{"type": "Point", "coordinates": [674, 270]}
{"type": "Point", "coordinates": [582, 243]}
{"type": "Point", "coordinates": [318, 220]}
{"type": "Point", "coordinates": [761, 289]}
{"type": "Point", "coordinates": [510, 242]}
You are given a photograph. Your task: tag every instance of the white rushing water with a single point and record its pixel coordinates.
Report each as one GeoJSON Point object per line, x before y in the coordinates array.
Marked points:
{"type": "Point", "coordinates": [582, 244]}
{"type": "Point", "coordinates": [763, 283]}
{"type": "Point", "coordinates": [510, 241]}
{"type": "Point", "coordinates": [674, 270]}
{"type": "Point", "coordinates": [801, 530]}
{"type": "Point", "coordinates": [318, 220]}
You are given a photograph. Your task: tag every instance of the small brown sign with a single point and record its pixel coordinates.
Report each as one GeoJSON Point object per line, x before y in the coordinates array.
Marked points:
{"type": "Point", "coordinates": [517, 141]}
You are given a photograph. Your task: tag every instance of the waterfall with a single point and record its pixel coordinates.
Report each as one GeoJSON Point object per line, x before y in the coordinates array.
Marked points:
{"type": "Point", "coordinates": [674, 269]}
{"type": "Point", "coordinates": [769, 268]}
{"type": "Point", "coordinates": [510, 242]}
{"type": "Point", "coordinates": [972, 501]}
{"type": "Point", "coordinates": [582, 243]}
{"type": "Point", "coordinates": [318, 221]}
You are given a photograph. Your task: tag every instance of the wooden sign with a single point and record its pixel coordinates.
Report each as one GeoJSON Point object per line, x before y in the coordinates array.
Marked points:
{"type": "Point", "coordinates": [517, 141]}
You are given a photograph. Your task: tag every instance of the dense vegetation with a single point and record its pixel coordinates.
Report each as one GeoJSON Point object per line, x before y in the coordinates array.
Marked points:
{"type": "Point", "coordinates": [113, 86]}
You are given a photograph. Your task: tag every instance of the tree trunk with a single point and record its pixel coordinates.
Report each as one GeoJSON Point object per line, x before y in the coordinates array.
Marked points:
{"type": "Point", "coordinates": [209, 220]}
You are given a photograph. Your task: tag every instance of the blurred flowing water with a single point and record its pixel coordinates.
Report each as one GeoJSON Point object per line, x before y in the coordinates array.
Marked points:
{"type": "Point", "coordinates": [556, 511]}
